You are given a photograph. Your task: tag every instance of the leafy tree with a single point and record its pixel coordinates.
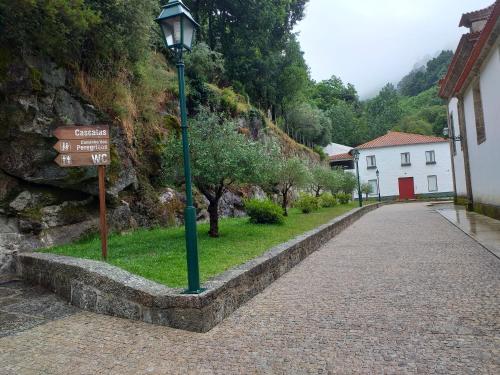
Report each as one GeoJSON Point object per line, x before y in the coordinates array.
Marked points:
{"type": "Point", "coordinates": [347, 127]}
{"type": "Point", "coordinates": [55, 28]}
{"type": "Point", "coordinates": [289, 174]}
{"type": "Point", "coordinates": [348, 182]}
{"type": "Point", "coordinates": [204, 64]}
{"type": "Point", "coordinates": [294, 80]}
{"type": "Point", "coordinates": [366, 189]}
{"type": "Point", "coordinates": [321, 178]}
{"type": "Point", "coordinates": [414, 124]}
{"type": "Point", "coordinates": [252, 36]}
{"type": "Point", "coordinates": [330, 92]}
{"type": "Point", "coordinates": [308, 124]}
{"type": "Point", "coordinates": [220, 158]}
{"type": "Point", "coordinates": [384, 111]}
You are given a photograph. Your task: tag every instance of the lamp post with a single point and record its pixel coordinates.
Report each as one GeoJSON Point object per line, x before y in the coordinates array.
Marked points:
{"type": "Point", "coordinates": [178, 28]}
{"type": "Point", "coordinates": [378, 185]}
{"type": "Point", "coordinates": [355, 154]}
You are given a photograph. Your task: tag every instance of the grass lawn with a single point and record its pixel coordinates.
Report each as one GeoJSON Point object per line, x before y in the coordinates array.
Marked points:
{"type": "Point", "coordinates": [160, 255]}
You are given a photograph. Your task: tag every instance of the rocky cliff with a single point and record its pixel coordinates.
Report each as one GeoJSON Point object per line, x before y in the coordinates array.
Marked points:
{"type": "Point", "coordinates": [42, 204]}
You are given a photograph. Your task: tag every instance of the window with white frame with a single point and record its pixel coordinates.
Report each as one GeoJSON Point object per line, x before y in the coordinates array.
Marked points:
{"type": "Point", "coordinates": [430, 157]}
{"type": "Point", "coordinates": [371, 162]}
{"type": "Point", "coordinates": [405, 159]}
{"type": "Point", "coordinates": [432, 182]}
{"type": "Point", "coordinates": [373, 184]}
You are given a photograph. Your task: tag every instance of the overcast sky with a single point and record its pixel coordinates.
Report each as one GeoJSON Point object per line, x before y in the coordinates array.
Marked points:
{"type": "Point", "coordinates": [372, 42]}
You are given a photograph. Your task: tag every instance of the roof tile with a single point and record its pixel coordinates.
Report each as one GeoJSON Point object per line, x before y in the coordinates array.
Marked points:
{"type": "Point", "coordinates": [340, 157]}
{"type": "Point", "coordinates": [400, 139]}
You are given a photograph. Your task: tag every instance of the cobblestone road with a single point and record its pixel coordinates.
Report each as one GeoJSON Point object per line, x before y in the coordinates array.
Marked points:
{"type": "Point", "coordinates": [401, 291]}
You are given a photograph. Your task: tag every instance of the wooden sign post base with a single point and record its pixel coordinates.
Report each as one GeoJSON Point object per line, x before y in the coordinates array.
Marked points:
{"type": "Point", "coordinates": [102, 211]}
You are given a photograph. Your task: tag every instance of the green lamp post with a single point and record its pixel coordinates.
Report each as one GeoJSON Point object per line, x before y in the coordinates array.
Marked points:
{"type": "Point", "coordinates": [355, 154]}
{"type": "Point", "coordinates": [178, 28]}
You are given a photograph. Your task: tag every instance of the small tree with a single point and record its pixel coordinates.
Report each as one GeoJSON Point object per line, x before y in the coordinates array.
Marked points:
{"type": "Point", "coordinates": [366, 188]}
{"type": "Point", "coordinates": [220, 157]}
{"type": "Point", "coordinates": [335, 181]}
{"type": "Point", "coordinates": [289, 174]}
{"type": "Point", "coordinates": [348, 182]}
{"type": "Point", "coordinates": [321, 179]}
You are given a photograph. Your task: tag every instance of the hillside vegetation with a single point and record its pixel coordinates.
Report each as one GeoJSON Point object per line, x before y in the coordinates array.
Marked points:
{"type": "Point", "coordinates": [103, 61]}
{"type": "Point", "coordinates": [332, 112]}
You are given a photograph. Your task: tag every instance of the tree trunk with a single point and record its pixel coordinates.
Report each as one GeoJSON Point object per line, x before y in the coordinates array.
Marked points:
{"type": "Point", "coordinates": [285, 203]}
{"type": "Point", "coordinates": [318, 191]}
{"type": "Point", "coordinates": [213, 211]}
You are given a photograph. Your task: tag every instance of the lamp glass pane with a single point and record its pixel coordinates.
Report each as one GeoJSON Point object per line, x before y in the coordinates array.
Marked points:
{"type": "Point", "coordinates": [189, 31]}
{"type": "Point", "coordinates": [172, 30]}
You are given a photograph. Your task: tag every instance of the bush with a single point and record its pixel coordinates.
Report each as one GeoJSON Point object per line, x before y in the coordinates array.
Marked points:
{"type": "Point", "coordinates": [307, 203]}
{"type": "Point", "coordinates": [264, 212]}
{"type": "Point", "coordinates": [344, 198]}
{"type": "Point", "coordinates": [327, 200]}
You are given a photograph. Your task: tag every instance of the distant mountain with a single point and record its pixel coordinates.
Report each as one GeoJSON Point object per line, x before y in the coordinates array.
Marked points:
{"type": "Point", "coordinates": [426, 76]}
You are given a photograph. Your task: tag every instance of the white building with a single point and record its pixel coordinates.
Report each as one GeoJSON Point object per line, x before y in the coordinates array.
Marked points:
{"type": "Point", "coordinates": [336, 149]}
{"type": "Point", "coordinates": [409, 165]}
{"type": "Point", "coordinates": [472, 88]}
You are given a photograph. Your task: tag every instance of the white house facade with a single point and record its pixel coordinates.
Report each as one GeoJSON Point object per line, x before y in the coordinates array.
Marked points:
{"type": "Point", "coordinates": [408, 165]}
{"type": "Point", "coordinates": [472, 88]}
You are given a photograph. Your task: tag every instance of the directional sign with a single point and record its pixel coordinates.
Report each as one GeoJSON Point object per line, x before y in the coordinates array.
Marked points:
{"type": "Point", "coordinates": [82, 132]}
{"type": "Point", "coordinates": [83, 159]}
{"type": "Point", "coordinates": [82, 145]}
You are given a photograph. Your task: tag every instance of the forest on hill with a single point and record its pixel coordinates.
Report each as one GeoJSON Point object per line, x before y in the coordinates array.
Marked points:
{"type": "Point", "coordinates": [103, 61]}
{"type": "Point", "coordinates": [247, 49]}
{"type": "Point", "coordinates": [337, 115]}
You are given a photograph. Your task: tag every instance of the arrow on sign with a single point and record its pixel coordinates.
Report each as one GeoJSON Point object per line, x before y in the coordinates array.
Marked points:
{"type": "Point", "coordinates": [83, 159]}
{"type": "Point", "coordinates": [82, 132]}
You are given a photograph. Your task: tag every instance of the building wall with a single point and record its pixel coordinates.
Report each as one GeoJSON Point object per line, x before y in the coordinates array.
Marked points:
{"type": "Point", "coordinates": [458, 159]}
{"type": "Point", "coordinates": [389, 164]}
{"type": "Point", "coordinates": [485, 158]}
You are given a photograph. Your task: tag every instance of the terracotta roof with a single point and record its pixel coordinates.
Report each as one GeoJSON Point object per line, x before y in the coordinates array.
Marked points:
{"type": "Point", "coordinates": [471, 50]}
{"type": "Point", "coordinates": [462, 54]}
{"type": "Point", "coordinates": [340, 157]}
{"type": "Point", "coordinates": [400, 139]}
{"type": "Point", "coordinates": [482, 46]}
{"type": "Point", "coordinates": [478, 15]}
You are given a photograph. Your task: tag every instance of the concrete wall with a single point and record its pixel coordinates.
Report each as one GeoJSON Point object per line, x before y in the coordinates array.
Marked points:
{"type": "Point", "coordinates": [485, 158]}
{"type": "Point", "coordinates": [389, 165]}
{"type": "Point", "coordinates": [458, 159]}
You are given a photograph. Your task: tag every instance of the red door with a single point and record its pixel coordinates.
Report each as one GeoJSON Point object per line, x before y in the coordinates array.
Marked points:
{"type": "Point", "coordinates": [406, 188]}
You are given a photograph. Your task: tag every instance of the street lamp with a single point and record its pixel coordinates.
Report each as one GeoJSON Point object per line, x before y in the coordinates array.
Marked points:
{"type": "Point", "coordinates": [178, 28]}
{"type": "Point", "coordinates": [355, 154]}
{"type": "Point", "coordinates": [378, 185]}
{"type": "Point", "coordinates": [454, 138]}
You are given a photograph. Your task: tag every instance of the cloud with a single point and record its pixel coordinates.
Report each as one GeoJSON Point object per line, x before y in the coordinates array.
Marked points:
{"type": "Point", "coordinates": [369, 42]}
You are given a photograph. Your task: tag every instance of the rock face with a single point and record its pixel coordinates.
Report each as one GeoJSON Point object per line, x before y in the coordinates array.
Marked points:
{"type": "Point", "coordinates": [42, 204]}
{"type": "Point", "coordinates": [39, 97]}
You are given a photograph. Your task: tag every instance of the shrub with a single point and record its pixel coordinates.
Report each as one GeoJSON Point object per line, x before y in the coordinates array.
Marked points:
{"type": "Point", "coordinates": [344, 198]}
{"type": "Point", "coordinates": [327, 200]}
{"type": "Point", "coordinates": [307, 203]}
{"type": "Point", "coordinates": [264, 211]}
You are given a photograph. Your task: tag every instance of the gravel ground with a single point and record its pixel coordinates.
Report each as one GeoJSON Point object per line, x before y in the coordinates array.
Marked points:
{"type": "Point", "coordinates": [400, 291]}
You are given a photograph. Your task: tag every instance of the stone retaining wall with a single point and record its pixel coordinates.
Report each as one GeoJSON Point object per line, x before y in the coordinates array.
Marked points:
{"type": "Point", "coordinates": [106, 289]}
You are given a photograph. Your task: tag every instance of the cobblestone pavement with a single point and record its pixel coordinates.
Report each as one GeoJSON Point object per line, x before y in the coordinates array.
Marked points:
{"type": "Point", "coordinates": [401, 291]}
{"type": "Point", "coordinates": [23, 307]}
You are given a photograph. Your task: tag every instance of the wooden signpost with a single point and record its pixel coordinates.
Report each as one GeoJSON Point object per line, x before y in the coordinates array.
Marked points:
{"type": "Point", "coordinates": [84, 146]}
